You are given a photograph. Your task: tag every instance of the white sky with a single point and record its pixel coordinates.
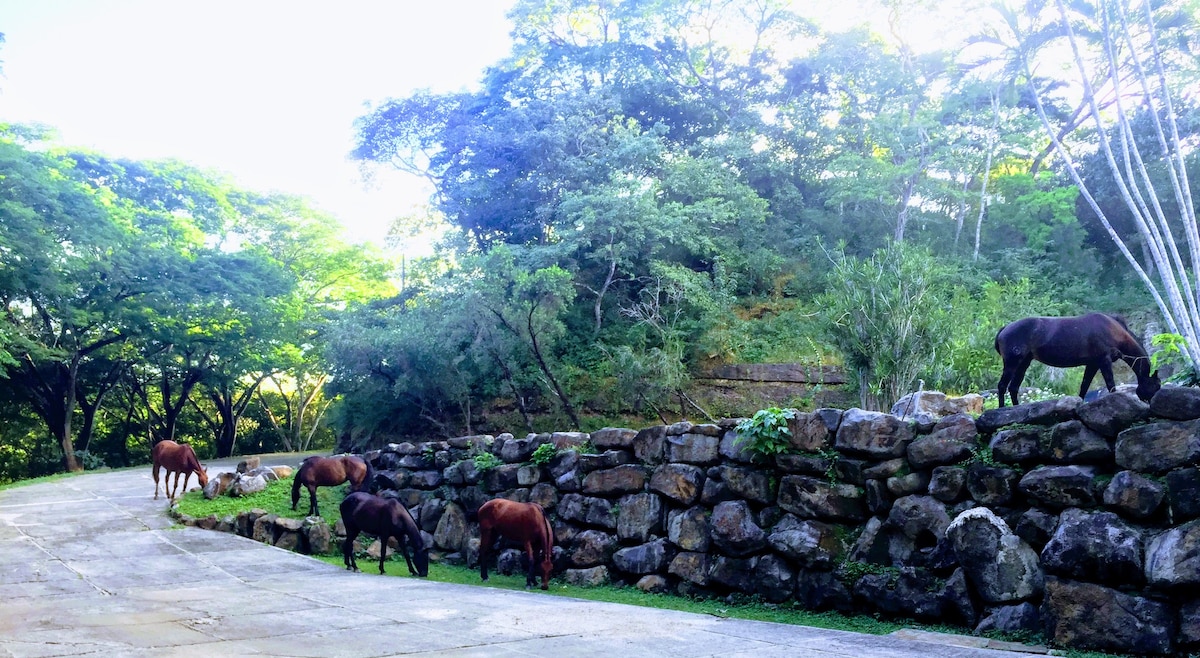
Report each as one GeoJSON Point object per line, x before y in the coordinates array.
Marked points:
{"type": "Point", "coordinates": [263, 90]}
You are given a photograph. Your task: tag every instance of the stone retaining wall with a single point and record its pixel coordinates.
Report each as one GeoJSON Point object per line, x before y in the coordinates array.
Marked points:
{"type": "Point", "coordinates": [1081, 520]}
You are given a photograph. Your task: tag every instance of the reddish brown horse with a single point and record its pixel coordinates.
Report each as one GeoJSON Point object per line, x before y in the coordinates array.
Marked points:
{"type": "Point", "coordinates": [521, 523]}
{"type": "Point", "coordinates": [1094, 341]}
{"type": "Point", "coordinates": [177, 458]}
{"type": "Point", "coordinates": [383, 518]}
{"type": "Point", "coordinates": [317, 471]}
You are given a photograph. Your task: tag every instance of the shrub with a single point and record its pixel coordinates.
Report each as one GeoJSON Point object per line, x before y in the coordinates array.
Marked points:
{"type": "Point", "coordinates": [767, 433]}
{"type": "Point", "coordinates": [486, 461]}
{"type": "Point", "coordinates": [544, 454]}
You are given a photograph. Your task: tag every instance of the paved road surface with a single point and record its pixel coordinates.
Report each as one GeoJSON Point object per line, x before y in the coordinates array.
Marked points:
{"type": "Point", "coordinates": [93, 566]}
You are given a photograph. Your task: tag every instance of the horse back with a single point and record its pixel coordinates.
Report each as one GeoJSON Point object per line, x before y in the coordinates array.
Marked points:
{"type": "Point", "coordinates": [516, 521]}
{"type": "Point", "coordinates": [1067, 341]}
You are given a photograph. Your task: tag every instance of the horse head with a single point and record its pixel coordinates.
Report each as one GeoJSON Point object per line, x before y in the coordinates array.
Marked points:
{"type": "Point", "coordinates": [1147, 386]}
{"type": "Point", "coordinates": [421, 559]}
{"type": "Point", "coordinates": [202, 474]}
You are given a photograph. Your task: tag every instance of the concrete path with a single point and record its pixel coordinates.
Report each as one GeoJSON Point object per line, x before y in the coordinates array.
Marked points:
{"type": "Point", "coordinates": [93, 566]}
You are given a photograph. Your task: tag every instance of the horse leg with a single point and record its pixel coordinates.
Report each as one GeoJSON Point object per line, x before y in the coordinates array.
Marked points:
{"type": "Point", "coordinates": [383, 546]}
{"type": "Point", "coordinates": [403, 543]}
{"type": "Point", "coordinates": [1107, 373]}
{"type": "Point", "coordinates": [312, 500]}
{"type": "Point", "coordinates": [1089, 373]}
{"type": "Point", "coordinates": [1014, 386]}
{"type": "Point", "coordinates": [485, 547]}
{"type": "Point", "coordinates": [175, 486]}
{"type": "Point", "coordinates": [530, 581]}
{"type": "Point", "coordinates": [154, 472]}
{"type": "Point", "coordinates": [348, 549]}
{"type": "Point", "coordinates": [186, 478]}
{"type": "Point", "coordinates": [1002, 388]}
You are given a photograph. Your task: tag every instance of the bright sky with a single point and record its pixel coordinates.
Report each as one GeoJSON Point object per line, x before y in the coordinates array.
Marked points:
{"type": "Point", "coordinates": [263, 90]}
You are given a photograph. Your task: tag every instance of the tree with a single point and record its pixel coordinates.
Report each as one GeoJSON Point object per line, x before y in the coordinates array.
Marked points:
{"type": "Point", "coordinates": [1123, 71]}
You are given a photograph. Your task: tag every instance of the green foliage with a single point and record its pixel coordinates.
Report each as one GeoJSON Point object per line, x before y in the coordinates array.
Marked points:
{"type": "Point", "coordinates": [486, 461]}
{"type": "Point", "coordinates": [543, 454]}
{"type": "Point", "coordinates": [766, 433]}
{"type": "Point", "coordinates": [969, 362]}
{"type": "Point", "coordinates": [887, 315]}
{"type": "Point", "coordinates": [1171, 354]}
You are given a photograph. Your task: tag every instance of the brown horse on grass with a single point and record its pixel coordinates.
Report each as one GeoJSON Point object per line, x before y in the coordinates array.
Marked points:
{"type": "Point", "coordinates": [177, 458]}
{"type": "Point", "coordinates": [317, 471]}
{"type": "Point", "coordinates": [1095, 341]}
{"type": "Point", "coordinates": [521, 523]}
{"type": "Point", "coordinates": [383, 518]}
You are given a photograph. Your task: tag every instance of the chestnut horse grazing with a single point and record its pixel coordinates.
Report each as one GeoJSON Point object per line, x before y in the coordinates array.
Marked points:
{"type": "Point", "coordinates": [317, 471]}
{"type": "Point", "coordinates": [383, 518]}
{"type": "Point", "coordinates": [1094, 341]}
{"type": "Point", "coordinates": [522, 523]}
{"type": "Point", "coordinates": [177, 458]}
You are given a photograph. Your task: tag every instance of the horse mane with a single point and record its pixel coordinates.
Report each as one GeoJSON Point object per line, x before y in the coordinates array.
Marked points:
{"type": "Point", "coordinates": [1120, 320]}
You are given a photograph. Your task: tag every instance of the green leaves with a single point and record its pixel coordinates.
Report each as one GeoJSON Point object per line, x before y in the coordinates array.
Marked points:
{"type": "Point", "coordinates": [766, 433]}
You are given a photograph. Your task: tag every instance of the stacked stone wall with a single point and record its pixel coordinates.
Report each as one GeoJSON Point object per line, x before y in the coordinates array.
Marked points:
{"type": "Point", "coordinates": [1079, 520]}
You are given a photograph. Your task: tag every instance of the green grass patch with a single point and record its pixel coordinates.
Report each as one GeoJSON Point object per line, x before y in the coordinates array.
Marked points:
{"type": "Point", "coordinates": [275, 499]}
{"type": "Point", "coordinates": [785, 613]}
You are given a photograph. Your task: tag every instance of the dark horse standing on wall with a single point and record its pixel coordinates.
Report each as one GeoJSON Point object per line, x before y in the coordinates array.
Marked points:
{"type": "Point", "coordinates": [1094, 341]}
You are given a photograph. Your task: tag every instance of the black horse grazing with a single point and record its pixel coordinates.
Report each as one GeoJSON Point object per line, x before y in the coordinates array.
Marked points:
{"type": "Point", "coordinates": [383, 518]}
{"type": "Point", "coordinates": [1094, 341]}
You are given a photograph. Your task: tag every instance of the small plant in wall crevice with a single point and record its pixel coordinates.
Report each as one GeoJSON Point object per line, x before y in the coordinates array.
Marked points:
{"type": "Point", "coordinates": [766, 433]}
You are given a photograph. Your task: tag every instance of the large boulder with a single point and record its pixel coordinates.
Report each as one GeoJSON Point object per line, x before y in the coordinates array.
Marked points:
{"type": "Point", "coordinates": [693, 448]}
{"type": "Point", "coordinates": [614, 437]}
{"type": "Point", "coordinates": [774, 579]}
{"type": "Point", "coordinates": [1000, 566]}
{"type": "Point", "coordinates": [814, 432]}
{"type": "Point", "coordinates": [928, 406]}
{"type": "Point", "coordinates": [1159, 447]}
{"type": "Point", "coordinates": [1134, 495]}
{"type": "Point", "coordinates": [689, 529]}
{"type": "Point", "coordinates": [1173, 558]}
{"type": "Point", "coordinates": [813, 498]}
{"type": "Point", "coordinates": [628, 478]}
{"type": "Point", "coordinates": [991, 485]}
{"type": "Point", "coordinates": [1048, 412]}
{"type": "Point", "coordinates": [451, 531]}
{"type": "Point", "coordinates": [734, 531]}
{"type": "Point", "coordinates": [746, 483]}
{"type": "Point", "coordinates": [691, 567]}
{"type": "Point", "coordinates": [873, 434]}
{"type": "Point", "coordinates": [1059, 487]}
{"type": "Point", "coordinates": [1072, 442]}
{"type": "Point", "coordinates": [1095, 546]}
{"type": "Point", "coordinates": [680, 482]}
{"type": "Point", "coordinates": [949, 443]}
{"type": "Point", "coordinates": [1109, 414]}
{"type": "Point", "coordinates": [805, 542]}
{"type": "Point", "coordinates": [1087, 616]}
{"type": "Point", "coordinates": [1176, 403]}
{"type": "Point", "coordinates": [593, 548]}
{"type": "Point", "coordinates": [640, 516]}
{"type": "Point", "coordinates": [643, 559]}
{"type": "Point", "coordinates": [1017, 445]}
